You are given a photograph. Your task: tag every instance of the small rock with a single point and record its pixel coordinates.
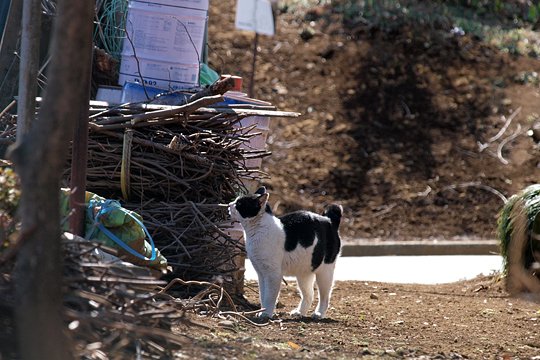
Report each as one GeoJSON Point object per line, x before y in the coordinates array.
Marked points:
{"type": "Point", "coordinates": [226, 324]}
{"type": "Point", "coordinates": [307, 33]}
{"type": "Point", "coordinates": [506, 102]}
{"type": "Point", "coordinates": [374, 296]}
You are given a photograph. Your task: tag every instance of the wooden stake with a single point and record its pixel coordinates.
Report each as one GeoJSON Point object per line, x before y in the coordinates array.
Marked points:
{"type": "Point", "coordinates": [79, 155]}
{"type": "Point", "coordinates": [251, 92]}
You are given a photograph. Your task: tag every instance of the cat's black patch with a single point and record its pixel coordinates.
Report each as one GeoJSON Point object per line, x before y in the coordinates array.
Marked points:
{"type": "Point", "coordinates": [334, 212]}
{"type": "Point", "coordinates": [301, 227]}
{"type": "Point", "coordinates": [248, 206]}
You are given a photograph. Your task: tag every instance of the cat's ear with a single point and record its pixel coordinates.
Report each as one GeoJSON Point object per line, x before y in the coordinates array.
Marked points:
{"type": "Point", "coordinates": [263, 199]}
{"type": "Point", "coordinates": [261, 190]}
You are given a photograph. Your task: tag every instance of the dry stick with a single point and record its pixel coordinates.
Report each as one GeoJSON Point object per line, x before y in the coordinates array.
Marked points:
{"type": "Point", "coordinates": [219, 87]}
{"type": "Point", "coordinates": [179, 242]}
{"type": "Point", "coordinates": [243, 317]}
{"type": "Point", "coordinates": [161, 113]}
{"type": "Point", "coordinates": [483, 146]}
{"type": "Point", "coordinates": [101, 299]}
{"type": "Point", "coordinates": [10, 131]}
{"type": "Point", "coordinates": [201, 295]}
{"type": "Point", "coordinates": [480, 186]}
{"type": "Point", "coordinates": [116, 279]}
{"type": "Point", "coordinates": [506, 141]}
{"type": "Point", "coordinates": [7, 108]}
{"type": "Point", "coordinates": [212, 224]}
{"type": "Point", "coordinates": [199, 283]}
{"type": "Point", "coordinates": [159, 167]}
{"type": "Point", "coordinates": [507, 123]}
{"type": "Point", "coordinates": [205, 175]}
{"type": "Point", "coordinates": [151, 144]}
{"type": "Point", "coordinates": [151, 122]}
{"type": "Point", "coordinates": [250, 112]}
{"type": "Point", "coordinates": [101, 112]}
{"type": "Point", "coordinates": [136, 329]}
{"type": "Point", "coordinates": [247, 106]}
{"type": "Point", "coordinates": [90, 246]}
{"type": "Point", "coordinates": [384, 211]}
{"type": "Point", "coordinates": [187, 109]}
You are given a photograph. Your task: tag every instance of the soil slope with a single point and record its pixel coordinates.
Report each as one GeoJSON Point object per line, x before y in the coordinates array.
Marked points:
{"type": "Point", "coordinates": [399, 120]}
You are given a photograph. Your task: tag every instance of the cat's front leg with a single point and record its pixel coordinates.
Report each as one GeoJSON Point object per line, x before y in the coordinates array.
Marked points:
{"type": "Point", "coordinates": [262, 291]}
{"type": "Point", "coordinates": [269, 293]}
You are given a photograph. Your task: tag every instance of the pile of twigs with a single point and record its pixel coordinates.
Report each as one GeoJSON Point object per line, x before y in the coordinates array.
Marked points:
{"type": "Point", "coordinates": [114, 311]}
{"type": "Point", "coordinates": [117, 311]}
{"type": "Point", "coordinates": [177, 167]}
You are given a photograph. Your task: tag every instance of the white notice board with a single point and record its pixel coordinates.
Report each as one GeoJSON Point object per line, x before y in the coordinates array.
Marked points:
{"type": "Point", "coordinates": [255, 15]}
{"type": "Point", "coordinates": [165, 33]}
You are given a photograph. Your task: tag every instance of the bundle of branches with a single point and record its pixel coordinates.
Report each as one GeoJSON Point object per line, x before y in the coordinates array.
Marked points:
{"type": "Point", "coordinates": [177, 167]}
{"type": "Point", "coordinates": [519, 236]}
{"type": "Point", "coordinates": [193, 238]}
{"type": "Point", "coordinates": [117, 311]}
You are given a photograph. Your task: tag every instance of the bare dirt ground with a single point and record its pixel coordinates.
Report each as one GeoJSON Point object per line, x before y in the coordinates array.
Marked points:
{"type": "Point", "coordinates": [402, 125]}
{"type": "Point", "coordinates": [465, 320]}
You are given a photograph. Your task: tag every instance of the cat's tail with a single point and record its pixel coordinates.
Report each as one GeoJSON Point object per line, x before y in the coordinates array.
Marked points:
{"type": "Point", "coordinates": [334, 212]}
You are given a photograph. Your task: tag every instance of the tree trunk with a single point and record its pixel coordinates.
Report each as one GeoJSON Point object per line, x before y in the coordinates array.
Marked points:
{"type": "Point", "coordinates": [39, 158]}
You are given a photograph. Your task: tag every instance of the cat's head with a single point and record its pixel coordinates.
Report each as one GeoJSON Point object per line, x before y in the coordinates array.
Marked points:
{"type": "Point", "coordinates": [250, 206]}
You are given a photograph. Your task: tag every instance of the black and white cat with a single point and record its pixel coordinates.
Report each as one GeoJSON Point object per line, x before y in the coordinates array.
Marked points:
{"type": "Point", "coordinates": [301, 244]}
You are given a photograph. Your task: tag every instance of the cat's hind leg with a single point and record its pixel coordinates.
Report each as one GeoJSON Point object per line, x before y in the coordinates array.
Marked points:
{"type": "Point", "coordinates": [305, 286]}
{"type": "Point", "coordinates": [325, 281]}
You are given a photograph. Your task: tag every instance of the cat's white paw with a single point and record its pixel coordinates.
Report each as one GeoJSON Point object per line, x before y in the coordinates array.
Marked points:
{"type": "Point", "coordinates": [317, 315]}
{"type": "Point", "coordinates": [296, 313]}
{"type": "Point", "coordinates": [264, 316]}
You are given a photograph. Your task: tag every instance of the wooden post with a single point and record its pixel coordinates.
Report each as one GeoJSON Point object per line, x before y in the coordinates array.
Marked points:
{"type": "Point", "coordinates": [31, 28]}
{"type": "Point", "coordinates": [251, 92]}
{"type": "Point", "coordinates": [80, 156]}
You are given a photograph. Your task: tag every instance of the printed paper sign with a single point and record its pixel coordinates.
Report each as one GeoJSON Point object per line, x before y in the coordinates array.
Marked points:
{"type": "Point", "coordinates": [165, 33]}
{"type": "Point", "coordinates": [192, 4]}
{"type": "Point", "coordinates": [255, 15]}
{"type": "Point", "coordinates": [160, 74]}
